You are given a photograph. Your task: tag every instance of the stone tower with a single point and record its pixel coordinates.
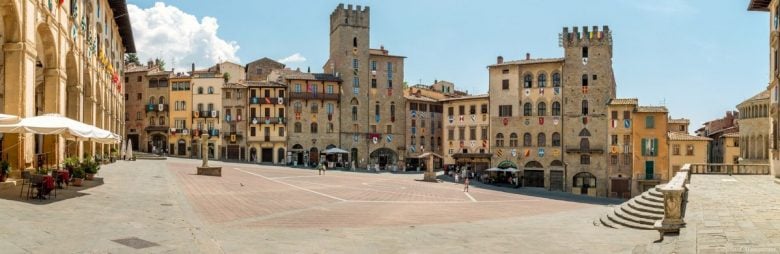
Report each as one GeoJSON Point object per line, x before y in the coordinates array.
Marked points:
{"type": "Point", "coordinates": [372, 102]}
{"type": "Point", "coordinates": [588, 85]}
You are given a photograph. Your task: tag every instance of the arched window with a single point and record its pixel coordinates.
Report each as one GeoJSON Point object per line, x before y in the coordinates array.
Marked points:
{"type": "Point", "coordinates": [297, 128]}
{"type": "Point", "coordinates": [556, 108]}
{"type": "Point", "coordinates": [527, 139]}
{"type": "Point", "coordinates": [297, 107]}
{"type": "Point", "coordinates": [211, 90]}
{"type": "Point", "coordinates": [541, 108]}
{"type": "Point", "coordinates": [354, 42]}
{"type": "Point", "coordinates": [152, 100]}
{"type": "Point", "coordinates": [500, 140]}
{"type": "Point", "coordinates": [200, 90]}
{"type": "Point", "coordinates": [584, 145]}
{"type": "Point", "coordinates": [162, 120]}
{"type": "Point", "coordinates": [541, 139]}
{"type": "Point", "coordinates": [556, 79]}
{"type": "Point", "coordinates": [513, 139]}
{"type": "Point", "coordinates": [584, 107]}
{"type": "Point", "coordinates": [162, 99]}
{"type": "Point", "coordinates": [542, 80]}
{"type": "Point", "coordinates": [527, 80]}
{"type": "Point", "coordinates": [584, 79]}
{"type": "Point", "coordinates": [313, 127]}
{"type": "Point", "coordinates": [584, 179]}
{"type": "Point", "coordinates": [556, 139]}
{"type": "Point", "coordinates": [527, 109]}
{"type": "Point", "coordinates": [354, 113]}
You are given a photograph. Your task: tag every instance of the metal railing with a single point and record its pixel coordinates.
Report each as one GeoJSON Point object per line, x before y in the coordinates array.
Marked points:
{"type": "Point", "coordinates": [646, 177]}
{"type": "Point", "coordinates": [730, 169]}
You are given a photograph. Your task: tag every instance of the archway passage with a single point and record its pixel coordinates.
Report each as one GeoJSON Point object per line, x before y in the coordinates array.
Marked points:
{"type": "Point", "coordinates": [533, 174]}
{"type": "Point", "coordinates": [506, 164]}
{"type": "Point", "coordinates": [253, 154]}
{"type": "Point", "coordinates": [314, 156]}
{"type": "Point", "coordinates": [12, 63]}
{"type": "Point", "coordinates": [47, 96]}
{"type": "Point", "coordinates": [181, 148]}
{"type": "Point", "coordinates": [383, 157]}
{"type": "Point", "coordinates": [280, 156]}
{"type": "Point", "coordinates": [584, 181]}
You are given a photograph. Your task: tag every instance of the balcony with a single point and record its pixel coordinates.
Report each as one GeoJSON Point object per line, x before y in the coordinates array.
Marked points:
{"type": "Point", "coordinates": [164, 128]}
{"type": "Point", "coordinates": [205, 114]}
{"type": "Point", "coordinates": [269, 120]}
{"type": "Point", "coordinates": [266, 100]}
{"type": "Point", "coordinates": [156, 108]}
{"type": "Point", "coordinates": [314, 96]}
{"type": "Point", "coordinates": [730, 169]}
{"type": "Point", "coordinates": [577, 149]}
{"type": "Point", "coordinates": [227, 134]}
{"type": "Point", "coordinates": [646, 177]}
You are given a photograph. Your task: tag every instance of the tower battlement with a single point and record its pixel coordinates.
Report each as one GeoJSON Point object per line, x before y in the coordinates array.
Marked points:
{"type": "Point", "coordinates": [349, 16]}
{"type": "Point", "coordinates": [576, 37]}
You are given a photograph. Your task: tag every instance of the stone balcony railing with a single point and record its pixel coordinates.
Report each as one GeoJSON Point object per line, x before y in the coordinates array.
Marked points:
{"type": "Point", "coordinates": [675, 198]}
{"type": "Point", "coordinates": [730, 169]}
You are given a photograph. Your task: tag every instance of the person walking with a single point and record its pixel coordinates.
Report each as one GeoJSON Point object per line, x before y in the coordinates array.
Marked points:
{"type": "Point", "coordinates": [466, 185]}
{"type": "Point", "coordinates": [321, 168]}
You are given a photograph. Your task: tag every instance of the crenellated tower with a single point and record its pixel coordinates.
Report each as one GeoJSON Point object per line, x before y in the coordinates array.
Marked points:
{"type": "Point", "coordinates": [588, 85]}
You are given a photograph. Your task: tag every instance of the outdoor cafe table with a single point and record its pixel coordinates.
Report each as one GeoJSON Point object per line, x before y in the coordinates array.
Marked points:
{"type": "Point", "coordinates": [47, 185]}
{"type": "Point", "coordinates": [64, 176]}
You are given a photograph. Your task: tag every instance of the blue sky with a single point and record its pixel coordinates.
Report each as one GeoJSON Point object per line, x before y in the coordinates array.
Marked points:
{"type": "Point", "coordinates": [698, 57]}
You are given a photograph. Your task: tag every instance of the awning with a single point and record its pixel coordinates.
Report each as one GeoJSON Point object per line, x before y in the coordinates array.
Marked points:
{"type": "Point", "coordinates": [510, 170]}
{"type": "Point", "coordinates": [429, 154]}
{"type": "Point", "coordinates": [56, 124]}
{"type": "Point", "coordinates": [8, 119]}
{"type": "Point", "coordinates": [335, 150]}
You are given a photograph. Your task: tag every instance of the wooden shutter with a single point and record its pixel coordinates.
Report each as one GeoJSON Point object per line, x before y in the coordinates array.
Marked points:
{"type": "Point", "coordinates": [655, 147]}
{"type": "Point", "coordinates": [644, 146]}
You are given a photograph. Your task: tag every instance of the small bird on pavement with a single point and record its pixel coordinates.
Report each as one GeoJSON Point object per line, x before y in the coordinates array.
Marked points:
{"type": "Point", "coordinates": [242, 184]}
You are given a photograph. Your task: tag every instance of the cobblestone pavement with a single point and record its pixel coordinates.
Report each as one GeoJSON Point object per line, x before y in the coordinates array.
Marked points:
{"type": "Point", "coordinates": [163, 207]}
{"type": "Point", "coordinates": [730, 214]}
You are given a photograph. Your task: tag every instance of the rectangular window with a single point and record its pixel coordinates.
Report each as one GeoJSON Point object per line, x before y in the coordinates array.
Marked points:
{"type": "Point", "coordinates": [676, 149]}
{"type": "Point", "coordinates": [484, 108]}
{"type": "Point", "coordinates": [355, 64]}
{"type": "Point", "coordinates": [373, 83]}
{"type": "Point", "coordinates": [627, 144]}
{"type": "Point", "coordinates": [252, 131]}
{"type": "Point", "coordinates": [614, 114]}
{"type": "Point", "coordinates": [450, 111]}
{"type": "Point", "coordinates": [614, 159]}
{"type": "Point", "coordinates": [389, 70]}
{"type": "Point", "coordinates": [373, 65]}
{"type": "Point", "coordinates": [505, 84]}
{"type": "Point", "coordinates": [585, 159]}
{"type": "Point", "coordinates": [689, 150]}
{"type": "Point", "coordinates": [138, 96]}
{"type": "Point", "coordinates": [373, 128]}
{"type": "Point", "coordinates": [281, 131]}
{"type": "Point", "coordinates": [614, 140]}
{"type": "Point", "coordinates": [627, 115]}
{"type": "Point", "coordinates": [297, 89]}
{"type": "Point", "coordinates": [650, 122]}
{"type": "Point", "coordinates": [473, 109]}
{"type": "Point", "coordinates": [462, 133]}
{"type": "Point", "coordinates": [227, 95]}
{"type": "Point", "coordinates": [484, 133]}
{"type": "Point", "coordinates": [584, 52]}
{"type": "Point", "coordinates": [461, 110]}
{"type": "Point", "coordinates": [389, 83]}
{"type": "Point", "coordinates": [389, 129]}
{"type": "Point", "coordinates": [473, 133]}
{"type": "Point", "coordinates": [595, 77]}
{"type": "Point", "coordinates": [451, 134]}
{"type": "Point", "coordinates": [505, 71]}
{"type": "Point", "coordinates": [505, 110]}
{"type": "Point", "coordinates": [328, 89]}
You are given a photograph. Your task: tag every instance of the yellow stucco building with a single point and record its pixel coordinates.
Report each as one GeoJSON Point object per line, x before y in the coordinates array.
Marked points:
{"type": "Point", "coordinates": [180, 139]}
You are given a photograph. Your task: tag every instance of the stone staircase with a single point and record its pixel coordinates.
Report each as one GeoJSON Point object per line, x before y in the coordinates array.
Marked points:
{"type": "Point", "coordinates": [640, 212]}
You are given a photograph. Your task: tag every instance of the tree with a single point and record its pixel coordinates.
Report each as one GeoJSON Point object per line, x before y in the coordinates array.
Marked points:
{"type": "Point", "coordinates": [226, 76]}
{"type": "Point", "coordinates": [160, 63]}
{"type": "Point", "coordinates": [132, 58]}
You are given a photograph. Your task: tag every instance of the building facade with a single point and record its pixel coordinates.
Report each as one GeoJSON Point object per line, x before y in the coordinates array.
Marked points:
{"type": "Point", "coordinates": [424, 126]}
{"type": "Point", "coordinates": [267, 122]}
{"type": "Point", "coordinates": [526, 119]}
{"type": "Point", "coordinates": [467, 132]}
{"type": "Point", "coordinates": [620, 168]}
{"type": "Point", "coordinates": [206, 116]}
{"type": "Point", "coordinates": [234, 106]}
{"type": "Point", "coordinates": [651, 159]}
{"type": "Point", "coordinates": [180, 94]}
{"type": "Point", "coordinates": [755, 128]}
{"type": "Point", "coordinates": [374, 91]}
{"type": "Point", "coordinates": [686, 149]}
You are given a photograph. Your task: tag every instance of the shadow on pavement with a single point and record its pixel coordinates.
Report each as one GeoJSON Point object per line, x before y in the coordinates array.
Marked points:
{"type": "Point", "coordinates": [539, 192]}
{"type": "Point", "coordinates": [67, 192]}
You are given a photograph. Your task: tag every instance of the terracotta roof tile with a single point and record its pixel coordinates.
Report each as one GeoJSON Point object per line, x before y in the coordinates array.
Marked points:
{"type": "Point", "coordinates": [676, 136]}
{"type": "Point", "coordinates": [652, 109]}
{"type": "Point", "coordinates": [624, 101]}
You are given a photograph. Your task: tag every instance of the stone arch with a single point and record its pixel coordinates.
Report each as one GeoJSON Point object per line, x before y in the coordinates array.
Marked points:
{"type": "Point", "coordinates": [533, 164]}
{"type": "Point", "coordinates": [73, 89]}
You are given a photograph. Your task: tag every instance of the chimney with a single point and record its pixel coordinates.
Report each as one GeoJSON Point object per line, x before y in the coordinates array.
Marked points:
{"type": "Point", "coordinates": [499, 60]}
{"type": "Point", "coordinates": [308, 69]}
{"type": "Point", "coordinates": [435, 81]}
{"type": "Point", "coordinates": [527, 56]}
{"type": "Point", "coordinates": [193, 68]}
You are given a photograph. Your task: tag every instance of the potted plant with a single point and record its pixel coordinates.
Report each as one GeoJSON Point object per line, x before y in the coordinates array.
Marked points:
{"type": "Point", "coordinates": [90, 168]}
{"type": "Point", "coordinates": [78, 176]}
{"type": "Point", "coordinates": [70, 163]}
{"type": "Point", "coordinates": [5, 169]}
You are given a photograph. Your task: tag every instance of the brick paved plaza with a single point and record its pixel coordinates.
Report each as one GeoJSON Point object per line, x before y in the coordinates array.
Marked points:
{"type": "Point", "coordinates": [267, 209]}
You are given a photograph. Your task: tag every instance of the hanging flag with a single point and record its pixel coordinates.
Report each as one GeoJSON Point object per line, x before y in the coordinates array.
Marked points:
{"type": "Point", "coordinates": [555, 120]}
{"type": "Point", "coordinates": [267, 100]}
{"type": "Point", "coordinates": [614, 123]}
{"type": "Point", "coordinates": [414, 113]}
{"type": "Point", "coordinates": [541, 91]}
{"type": "Point", "coordinates": [460, 118]}
{"type": "Point", "coordinates": [541, 120]}
{"type": "Point", "coordinates": [389, 138]}
{"type": "Point", "coordinates": [505, 121]}
{"type": "Point", "coordinates": [473, 118]}
{"type": "Point", "coordinates": [451, 119]}
{"type": "Point", "coordinates": [556, 90]}
{"type": "Point", "coordinates": [484, 143]}
{"type": "Point", "coordinates": [627, 123]}
{"type": "Point", "coordinates": [376, 117]}
{"type": "Point", "coordinates": [499, 152]}
{"type": "Point", "coordinates": [527, 152]}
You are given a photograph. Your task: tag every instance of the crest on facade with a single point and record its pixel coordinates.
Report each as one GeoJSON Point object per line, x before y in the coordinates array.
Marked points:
{"type": "Point", "coordinates": [514, 152]}
{"type": "Point", "coordinates": [555, 120]}
{"type": "Point", "coordinates": [414, 113]}
{"type": "Point", "coordinates": [556, 90]}
{"type": "Point", "coordinates": [451, 119]}
{"type": "Point", "coordinates": [389, 138]}
{"type": "Point", "coordinates": [375, 140]}
{"type": "Point", "coordinates": [527, 92]}
{"type": "Point", "coordinates": [541, 152]}
{"type": "Point", "coordinates": [474, 118]}
{"type": "Point", "coordinates": [473, 143]}
{"type": "Point", "coordinates": [527, 122]}
{"type": "Point", "coordinates": [627, 123]}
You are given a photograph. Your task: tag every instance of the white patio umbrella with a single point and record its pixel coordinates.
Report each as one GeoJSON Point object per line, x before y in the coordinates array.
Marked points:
{"type": "Point", "coordinates": [335, 150]}
{"type": "Point", "coordinates": [8, 119]}
{"type": "Point", "coordinates": [122, 150]}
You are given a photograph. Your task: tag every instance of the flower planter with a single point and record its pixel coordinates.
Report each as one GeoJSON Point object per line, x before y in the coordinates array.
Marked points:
{"type": "Point", "coordinates": [78, 181]}
{"type": "Point", "coordinates": [90, 177]}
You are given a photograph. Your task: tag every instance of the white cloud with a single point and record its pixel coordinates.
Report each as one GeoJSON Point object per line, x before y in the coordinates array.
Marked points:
{"type": "Point", "coordinates": [166, 32]}
{"type": "Point", "coordinates": [294, 58]}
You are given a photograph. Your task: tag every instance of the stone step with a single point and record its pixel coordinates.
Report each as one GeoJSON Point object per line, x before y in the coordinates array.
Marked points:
{"type": "Point", "coordinates": [622, 214]}
{"type": "Point", "coordinates": [626, 223]}
{"type": "Point", "coordinates": [650, 197]}
{"type": "Point", "coordinates": [644, 202]}
{"type": "Point", "coordinates": [647, 209]}
{"type": "Point", "coordinates": [604, 219]}
{"type": "Point", "coordinates": [655, 193]}
{"type": "Point", "coordinates": [640, 214]}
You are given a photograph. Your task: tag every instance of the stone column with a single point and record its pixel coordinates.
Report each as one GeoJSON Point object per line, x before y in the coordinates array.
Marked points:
{"type": "Point", "coordinates": [204, 149]}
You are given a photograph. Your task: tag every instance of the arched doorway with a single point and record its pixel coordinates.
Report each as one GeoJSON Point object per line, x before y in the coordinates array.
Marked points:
{"type": "Point", "coordinates": [212, 151]}
{"type": "Point", "coordinates": [383, 157]}
{"type": "Point", "coordinates": [584, 181]}
{"type": "Point", "coordinates": [314, 156]}
{"type": "Point", "coordinates": [353, 155]}
{"type": "Point", "coordinates": [73, 99]}
{"type": "Point", "coordinates": [253, 154]}
{"type": "Point", "coordinates": [11, 65]}
{"type": "Point", "coordinates": [182, 147]}
{"type": "Point", "coordinates": [556, 175]}
{"type": "Point", "coordinates": [533, 174]}
{"type": "Point", "coordinates": [157, 143]}
{"type": "Point", "coordinates": [47, 95]}
{"type": "Point", "coordinates": [297, 154]}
